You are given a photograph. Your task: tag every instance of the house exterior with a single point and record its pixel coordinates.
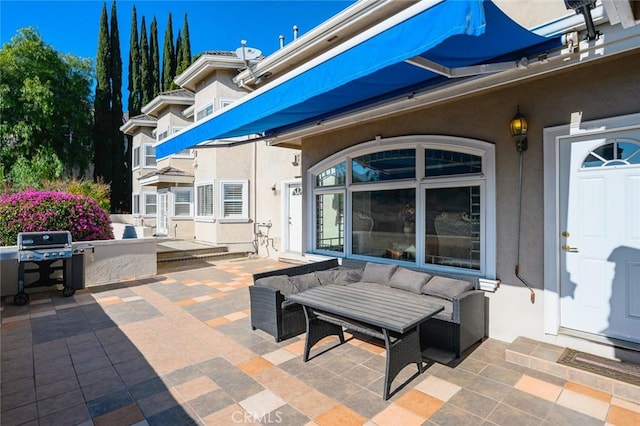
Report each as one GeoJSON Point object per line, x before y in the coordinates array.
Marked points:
{"type": "Point", "coordinates": [409, 118]}
{"type": "Point", "coordinates": [231, 196]}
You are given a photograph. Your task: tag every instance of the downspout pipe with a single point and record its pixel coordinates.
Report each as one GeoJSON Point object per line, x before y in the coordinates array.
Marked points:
{"type": "Point", "coordinates": [521, 150]}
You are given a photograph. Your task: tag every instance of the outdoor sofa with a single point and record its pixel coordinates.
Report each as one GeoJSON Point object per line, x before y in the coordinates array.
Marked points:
{"type": "Point", "coordinates": [455, 329]}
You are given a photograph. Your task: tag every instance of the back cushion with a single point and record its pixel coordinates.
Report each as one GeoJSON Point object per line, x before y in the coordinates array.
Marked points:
{"type": "Point", "coordinates": [305, 281]}
{"type": "Point", "coordinates": [339, 277]}
{"type": "Point", "coordinates": [446, 288]}
{"type": "Point", "coordinates": [378, 273]}
{"type": "Point", "coordinates": [406, 279]}
{"type": "Point", "coordinates": [279, 282]}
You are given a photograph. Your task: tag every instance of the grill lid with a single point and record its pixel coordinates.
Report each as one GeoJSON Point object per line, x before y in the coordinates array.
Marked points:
{"type": "Point", "coordinates": [46, 239]}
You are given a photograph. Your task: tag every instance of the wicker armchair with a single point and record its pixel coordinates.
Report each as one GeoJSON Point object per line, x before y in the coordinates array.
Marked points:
{"type": "Point", "coordinates": [271, 312]}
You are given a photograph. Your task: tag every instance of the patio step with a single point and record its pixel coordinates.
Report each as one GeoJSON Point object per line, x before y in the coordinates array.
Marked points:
{"type": "Point", "coordinates": [190, 253]}
{"type": "Point", "coordinates": [188, 261]}
{"type": "Point", "coordinates": [543, 357]}
{"type": "Point", "coordinates": [173, 254]}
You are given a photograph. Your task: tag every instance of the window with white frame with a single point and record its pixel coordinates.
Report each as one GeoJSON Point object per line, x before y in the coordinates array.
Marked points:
{"type": "Point", "coordinates": [204, 112]}
{"type": "Point", "coordinates": [135, 203]}
{"type": "Point", "coordinates": [149, 155]}
{"type": "Point", "coordinates": [185, 153]}
{"type": "Point", "coordinates": [424, 201]}
{"type": "Point", "coordinates": [150, 203]}
{"type": "Point", "coordinates": [234, 200]}
{"type": "Point", "coordinates": [136, 157]}
{"type": "Point", "coordinates": [182, 201]}
{"type": "Point", "coordinates": [161, 135]}
{"type": "Point", "coordinates": [225, 103]}
{"type": "Point", "coordinates": [204, 200]}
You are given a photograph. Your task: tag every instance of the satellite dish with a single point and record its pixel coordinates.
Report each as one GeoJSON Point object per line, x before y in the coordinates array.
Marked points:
{"type": "Point", "coordinates": [247, 53]}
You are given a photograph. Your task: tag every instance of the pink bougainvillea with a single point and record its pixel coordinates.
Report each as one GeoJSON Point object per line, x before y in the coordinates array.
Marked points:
{"type": "Point", "coordinates": [32, 210]}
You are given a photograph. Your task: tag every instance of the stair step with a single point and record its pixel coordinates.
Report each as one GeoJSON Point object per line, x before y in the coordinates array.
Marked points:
{"type": "Point", "coordinates": [542, 357]}
{"type": "Point", "coordinates": [190, 253]}
{"type": "Point", "coordinates": [186, 262]}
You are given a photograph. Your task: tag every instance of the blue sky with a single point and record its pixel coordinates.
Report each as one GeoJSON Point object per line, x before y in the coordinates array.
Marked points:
{"type": "Point", "coordinates": [72, 26]}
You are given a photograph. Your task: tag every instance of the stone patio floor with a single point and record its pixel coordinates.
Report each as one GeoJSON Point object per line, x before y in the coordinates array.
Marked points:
{"type": "Point", "coordinates": [178, 349]}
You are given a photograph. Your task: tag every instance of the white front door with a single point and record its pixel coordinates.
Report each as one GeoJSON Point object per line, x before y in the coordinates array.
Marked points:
{"type": "Point", "coordinates": [600, 234]}
{"type": "Point", "coordinates": [163, 214]}
{"type": "Point", "coordinates": [294, 225]}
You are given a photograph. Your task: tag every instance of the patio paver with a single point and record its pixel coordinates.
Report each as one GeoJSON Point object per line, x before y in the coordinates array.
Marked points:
{"type": "Point", "coordinates": [179, 349]}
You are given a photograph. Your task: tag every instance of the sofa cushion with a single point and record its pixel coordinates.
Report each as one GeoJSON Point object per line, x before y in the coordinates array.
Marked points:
{"type": "Point", "coordinates": [406, 279]}
{"type": "Point", "coordinates": [446, 288]}
{"type": "Point", "coordinates": [305, 281]}
{"type": "Point", "coordinates": [339, 276]}
{"type": "Point", "coordinates": [447, 313]}
{"type": "Point", "coordinates": [278, 282]}
{"type": "Point", "coordinates": [378, 273]}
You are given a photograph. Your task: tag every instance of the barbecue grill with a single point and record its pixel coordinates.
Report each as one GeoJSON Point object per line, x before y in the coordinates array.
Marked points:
{"type": "Point", "coordinates": [51, 252]}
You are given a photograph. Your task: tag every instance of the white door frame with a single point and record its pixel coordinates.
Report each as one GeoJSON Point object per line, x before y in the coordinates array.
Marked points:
{"type": "Point", "coordinates": [163, 193]}
{"type": "Point", "coordinates": [552, 138]}
{"type": "Point", "coordinates": [284, 208]}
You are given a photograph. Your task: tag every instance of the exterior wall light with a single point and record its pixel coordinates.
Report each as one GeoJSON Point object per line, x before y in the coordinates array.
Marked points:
{"type": "Point", "coordinates": [519, 127]}
{"type": "Point", "coordinates": [519, 131]}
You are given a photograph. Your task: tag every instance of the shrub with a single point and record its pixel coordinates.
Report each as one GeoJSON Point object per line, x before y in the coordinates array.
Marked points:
{"type": "Point", "coordinates": [99, 191]}
{"type": "Point", "coordinates": [31, 211]}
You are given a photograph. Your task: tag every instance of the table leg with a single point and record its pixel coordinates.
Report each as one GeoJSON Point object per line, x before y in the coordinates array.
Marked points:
{"type": "Point", "coordinates": [318, 330]}
{"type": "Point", "coordinates": [403, 351]}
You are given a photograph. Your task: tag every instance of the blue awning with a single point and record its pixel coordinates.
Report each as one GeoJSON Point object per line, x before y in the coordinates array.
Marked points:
{"type": "Point", "coordinates": [449, 34]}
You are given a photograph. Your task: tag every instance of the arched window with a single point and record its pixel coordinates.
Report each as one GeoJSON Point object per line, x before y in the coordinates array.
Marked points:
{"type": "Point", "coordinates": [425, 201]}
{"type": "Point", "coordinates": [617, 152]}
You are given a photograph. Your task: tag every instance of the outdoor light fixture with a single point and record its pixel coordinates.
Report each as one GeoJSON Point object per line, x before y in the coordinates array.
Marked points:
{"type": "Point", "coordinates": [519, 131]}
{"type": "Point", "coordinates": [519, 127]}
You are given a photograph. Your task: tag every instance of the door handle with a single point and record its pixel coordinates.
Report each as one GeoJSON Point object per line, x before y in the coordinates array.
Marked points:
{"type": "Point", "coordinates": [570, 249]}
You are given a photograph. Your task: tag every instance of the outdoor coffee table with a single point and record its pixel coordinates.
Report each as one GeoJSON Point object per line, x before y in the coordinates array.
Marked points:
{"type": "Point", "coordinates": [394, 318]}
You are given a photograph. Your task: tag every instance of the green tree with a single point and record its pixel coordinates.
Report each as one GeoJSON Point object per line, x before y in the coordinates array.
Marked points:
{"type": "Point", "coordinates": [45, 102]}
{"type": "Point", "coordinates": [154, 55]}
{"type": "Point", "coordinates": [102, 104]}
{"type": "Point", "coordinates": [168, 57]}
{"type": "Point", "coordinates": [32, 172]}
{"type": "Point", "coordinates": [135, 62]}
{"type": "Point", "coordinates": [145, 66]}
{"type": "Point", "coordinates": [179, 51]}
{"type": "Point", "coordinates": [119, 165]}
{"type": "Point", "coordinates": [183, 49]}
{"type": "Point", "coordinates": [186, 43]}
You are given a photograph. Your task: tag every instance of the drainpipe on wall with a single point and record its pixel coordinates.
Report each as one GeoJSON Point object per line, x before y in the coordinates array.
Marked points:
{"type": "Point", "coordinates": [519, 128]}
{"type": "Point", "coordinates": [255, 192]}
{"type": "Point", "coordinates": [517, 267]}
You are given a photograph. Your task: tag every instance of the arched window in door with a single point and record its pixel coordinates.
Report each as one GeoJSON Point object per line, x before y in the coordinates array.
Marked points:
{"type": "Point", "coordinates": [616, 152]}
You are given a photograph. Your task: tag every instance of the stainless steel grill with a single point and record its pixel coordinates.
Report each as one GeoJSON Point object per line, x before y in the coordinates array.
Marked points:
{"type": "Point", "coordinates": [51, 252]}
{"type": "Point", "coordinates": [38, 246]}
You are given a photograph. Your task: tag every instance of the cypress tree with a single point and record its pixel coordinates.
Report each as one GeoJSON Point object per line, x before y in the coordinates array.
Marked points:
{"type": "Point", "coordinates": [168, 57]}
{"type": "Point", "coordinates": [154, 55]}
{"type": "Point", "coordinates": [134, 86]}
{"type": "Point", "coordinates": [145, 67]}
{"type": "Point", "coordinates": [135, 99]}
{"type": "Point", "coordinates": [178, 58]}
{"type": "Point", "coordinates": [102, 104]}
{"type": "Point", "coordinates": [178, 49]}
{"type": "Point", "coordinates": [118, 164]}
{"type": "Point", "coordinates": [186, 44]}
